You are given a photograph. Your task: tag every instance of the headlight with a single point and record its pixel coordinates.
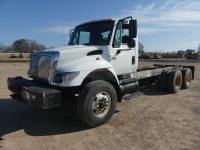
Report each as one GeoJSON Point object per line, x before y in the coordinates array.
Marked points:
{"type": "Point", "coordinates": [58, 78]}
{"type": "Point", "coordinates": [71, 76]}
{"type": "Point", "coordinates": [61, 77]}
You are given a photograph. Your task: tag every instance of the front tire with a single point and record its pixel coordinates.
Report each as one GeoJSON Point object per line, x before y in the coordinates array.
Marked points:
{"type": "Point", "coordinates": [97, 102]}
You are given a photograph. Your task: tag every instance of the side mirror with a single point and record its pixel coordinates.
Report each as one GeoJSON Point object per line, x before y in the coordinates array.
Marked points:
{"type": "Point", "coordinates": [71, 33]}
{"type": "Point", "coordinates": [133, 28]}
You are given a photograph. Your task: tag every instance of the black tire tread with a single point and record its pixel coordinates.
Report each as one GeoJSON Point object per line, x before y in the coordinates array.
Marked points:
{"type": "Point", "coordinates": [82, 98]}
{"type": "Point", "coordinates": [164, 80]}
{"type": "Point", "coordinates": [171, 79]}
{"type": "Point", "coordinates": [184, 74]}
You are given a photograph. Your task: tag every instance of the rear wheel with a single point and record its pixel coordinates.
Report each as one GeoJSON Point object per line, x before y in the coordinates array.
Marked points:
{"type": "Point", "coordinates": [164, 80]}
{"type": "Point", "coordinates": [174, 81]}
{"type": "Point", "coordinates": [187, 77]}
{"type": "Point", "coordinates": [97, 102]}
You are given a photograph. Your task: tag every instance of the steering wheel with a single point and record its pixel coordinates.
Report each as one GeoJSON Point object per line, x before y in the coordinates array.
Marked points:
{"type": "Point", "coordinates": [105, 39]}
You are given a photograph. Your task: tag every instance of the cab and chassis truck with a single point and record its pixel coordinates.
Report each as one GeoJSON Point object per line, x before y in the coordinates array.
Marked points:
{"type": "Point", "coordinates": [97, 68]}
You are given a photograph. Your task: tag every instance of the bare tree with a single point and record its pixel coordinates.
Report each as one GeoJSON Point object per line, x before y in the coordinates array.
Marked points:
{"type": "Point", "coordinates": [141, 48]}
{"type": "Point", "coordinates": [2, 47]}
{"type": "Point", "coordinates": [198, 48]}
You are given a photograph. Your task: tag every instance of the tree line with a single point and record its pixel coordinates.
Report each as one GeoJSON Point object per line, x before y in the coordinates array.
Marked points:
{"type": "Point", "coordinates": [198, 48]}
{"type": "Point", "coordinates": [141, 48]}
{"type": "Point", "coordinates": [28, 46]}
{"type": "Point", "coordinates": [22, 46]}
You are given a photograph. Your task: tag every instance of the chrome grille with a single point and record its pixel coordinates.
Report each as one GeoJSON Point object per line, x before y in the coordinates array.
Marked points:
{"type": "Point", "coordinates": [39, 66]}
{"type": "Point", "coordinates": [33, 70]}
{"type": "Point", "coordinates": [44, 66]}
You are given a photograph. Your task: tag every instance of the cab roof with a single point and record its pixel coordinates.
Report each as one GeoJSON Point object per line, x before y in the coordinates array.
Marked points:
{"type": "Point", "coordinates": [92, 21]}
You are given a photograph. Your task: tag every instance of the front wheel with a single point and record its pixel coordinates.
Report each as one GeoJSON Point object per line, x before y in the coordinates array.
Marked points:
{"type": "Point", "coordinates": [97, 102]}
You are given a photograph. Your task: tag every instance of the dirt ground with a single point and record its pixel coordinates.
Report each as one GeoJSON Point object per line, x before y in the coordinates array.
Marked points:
{"type": "Point", "coordinates": [155, 120]}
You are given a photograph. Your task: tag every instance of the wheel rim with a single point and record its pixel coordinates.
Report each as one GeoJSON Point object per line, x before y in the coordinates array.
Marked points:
{"type": "Point", "coordinates": [178, 80]}
{"type": "Point", "coordinates": [101, 104]}
{"type": "Point", "coordinates": [188, 78]}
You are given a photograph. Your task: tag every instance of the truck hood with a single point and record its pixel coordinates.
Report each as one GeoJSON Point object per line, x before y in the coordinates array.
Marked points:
{"type": "Point", "coordinates": [73, 52]}
{"type": "Point", "coordinates": [43, 63]}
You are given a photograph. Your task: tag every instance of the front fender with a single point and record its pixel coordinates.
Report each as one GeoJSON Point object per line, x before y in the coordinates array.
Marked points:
{"type": "Point", "coordinates": [84, 66]}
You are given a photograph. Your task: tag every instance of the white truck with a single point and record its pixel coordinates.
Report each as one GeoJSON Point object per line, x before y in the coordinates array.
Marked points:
{"type": "Point", "coordinates": [97, 68]}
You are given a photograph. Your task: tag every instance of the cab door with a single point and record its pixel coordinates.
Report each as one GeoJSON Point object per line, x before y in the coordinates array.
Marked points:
{"type": "Point", "coordinates": [123, 56]}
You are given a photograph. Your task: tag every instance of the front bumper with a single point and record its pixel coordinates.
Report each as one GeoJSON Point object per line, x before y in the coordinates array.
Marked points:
{"type": "Point", "coordinates": [32, 92]}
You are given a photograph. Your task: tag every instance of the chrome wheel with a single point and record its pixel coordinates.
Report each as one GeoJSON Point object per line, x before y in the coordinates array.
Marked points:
{"type": "Point", "coordinates": [101, 104]}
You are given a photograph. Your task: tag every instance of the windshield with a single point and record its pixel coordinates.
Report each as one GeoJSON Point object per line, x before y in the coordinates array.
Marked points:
{"type": "Point", "coordinates": [96, 33]}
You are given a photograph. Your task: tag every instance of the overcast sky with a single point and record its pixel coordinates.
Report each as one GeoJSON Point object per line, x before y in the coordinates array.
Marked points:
{"type": "Point", "coordinates": [164, 25]}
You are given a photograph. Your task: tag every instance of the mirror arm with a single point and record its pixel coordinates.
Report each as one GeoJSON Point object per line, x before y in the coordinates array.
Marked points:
{"type": "Point", "coordinates": [70, 33]}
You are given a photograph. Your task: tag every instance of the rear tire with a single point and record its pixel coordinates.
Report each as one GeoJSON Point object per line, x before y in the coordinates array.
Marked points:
{"type": "Point", "coordinates": [174, 81]}
{"type": "Point", "coordinates": [187, 77]}
{"type": "Point", "coordinates": [97, 102]}
{"type": "Point", "coordinates": [164, 80]}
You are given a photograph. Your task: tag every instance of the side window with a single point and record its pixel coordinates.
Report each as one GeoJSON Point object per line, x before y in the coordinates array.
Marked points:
{"type": "Point", "coordinates": [125, 32]}
{"type": "Point", "coordinates": [125, 36]}
{"type": "Point", "coordinates": [117, 37]}
{"type": "Point", "coordinates": [84, 38]}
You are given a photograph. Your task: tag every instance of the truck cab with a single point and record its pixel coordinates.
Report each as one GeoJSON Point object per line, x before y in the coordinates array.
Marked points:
{"type": "Point", "coordinates": [116, 40]}
{"type": "Point", "coordinates": [102, 49]}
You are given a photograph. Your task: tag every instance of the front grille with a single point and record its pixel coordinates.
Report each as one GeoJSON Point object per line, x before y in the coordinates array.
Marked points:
{"type": "Point", "coordinates": [44, 66]}
{"type": "Point", "coordinates": [39, 66]}
{"type": "Point", "coordinates": [33, 70]}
